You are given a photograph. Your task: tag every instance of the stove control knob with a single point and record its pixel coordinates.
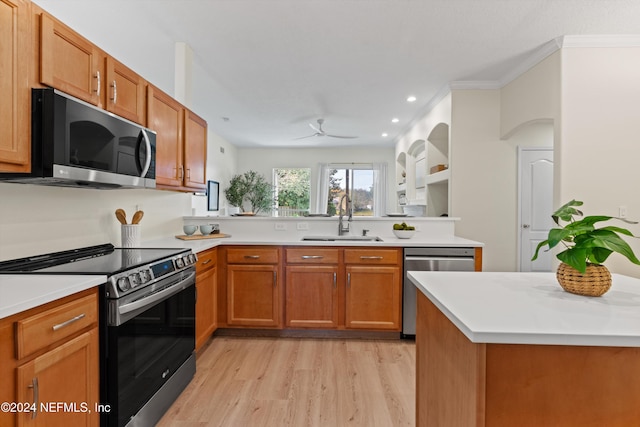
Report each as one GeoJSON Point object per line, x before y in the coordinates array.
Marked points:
{"type": "Point", "coordinates": [144, 276]}
{"type": "Point", "coordinates": [124, 284]}
{"type": "Point", "coordinates": [135, 280]}
{"type": "Point", "coordinates": [179, 263]}
{"type": "Point", "coordinates": [187, 260]}
{"type": "Point", "coordinates": [192, 258]}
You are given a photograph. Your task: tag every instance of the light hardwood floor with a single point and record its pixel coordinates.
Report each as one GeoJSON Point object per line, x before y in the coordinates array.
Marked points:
{"type": "Point", "coordinates": [247, 382]}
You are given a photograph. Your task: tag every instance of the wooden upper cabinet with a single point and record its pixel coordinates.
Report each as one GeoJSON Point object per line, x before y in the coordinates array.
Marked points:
{"type": "Point", "coordinates": [165, 116]}
{"type": "Point", "coordinates": [181, 144]}
{"type": "Point", "coordinates": [195, 150]}
{"type": "Point", "coordinates": [125, 91]}
{"type": "Point", "coordinates": [69, 62]}
{"type": "Point", "coordinates": [15, 101]}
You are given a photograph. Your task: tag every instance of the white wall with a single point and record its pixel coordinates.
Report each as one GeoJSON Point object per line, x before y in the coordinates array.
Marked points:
{"type": "Point", "coordinates": [600, 144]}
{"type": "Point", "coordinates": [36, 219]}
{"type": "Point", "coordinates": [263, 160]}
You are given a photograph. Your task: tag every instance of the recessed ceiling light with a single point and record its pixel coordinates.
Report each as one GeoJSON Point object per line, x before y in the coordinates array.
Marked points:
{"type": "Point", "coordinates": [395, 120]}
{"type": "Point", "coordinates": [384, 135]}
{"type": "Point", "coordinates": [411, 98]}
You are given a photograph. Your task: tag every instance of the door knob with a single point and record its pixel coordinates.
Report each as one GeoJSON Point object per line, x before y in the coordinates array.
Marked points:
{"type": "Point", "coordinates": [525, 226]}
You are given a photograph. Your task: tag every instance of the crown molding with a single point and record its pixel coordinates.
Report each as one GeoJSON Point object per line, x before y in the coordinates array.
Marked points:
{"type": "Point", "coordinates": [475, 84]}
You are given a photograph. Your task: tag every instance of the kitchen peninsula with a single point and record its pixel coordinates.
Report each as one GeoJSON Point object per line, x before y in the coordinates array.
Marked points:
{"type": "Point", "coordinates": [505, 349]}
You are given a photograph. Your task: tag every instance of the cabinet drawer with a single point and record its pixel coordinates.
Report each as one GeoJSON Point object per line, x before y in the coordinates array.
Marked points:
{"type": "Point", "coordinates": [250, 255]}
{"type": "Point", "coordinates": [43, 329]}
{"type": "Point", "coordinates": [312, 255]}
{"type": "Point", "coordinates": [206, 260]}
{"type": "Point", "coordinates": [372, 256]}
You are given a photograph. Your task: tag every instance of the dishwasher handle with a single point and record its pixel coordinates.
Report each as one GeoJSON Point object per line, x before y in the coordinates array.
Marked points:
{"type": "Point", "coordinates": [437, 258]}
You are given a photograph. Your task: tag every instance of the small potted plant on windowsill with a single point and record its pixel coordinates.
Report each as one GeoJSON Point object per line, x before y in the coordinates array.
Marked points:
{"type": "Point", "coordinates": [581, 270]}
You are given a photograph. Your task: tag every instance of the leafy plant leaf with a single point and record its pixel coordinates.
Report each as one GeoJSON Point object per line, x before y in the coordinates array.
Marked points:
{"type": "Point", "coordinates": [576, 257]}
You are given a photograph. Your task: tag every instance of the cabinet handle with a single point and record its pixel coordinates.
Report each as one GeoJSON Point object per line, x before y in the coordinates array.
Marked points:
{"type": "Point", "coordinates": [335, 280]}
{"type": "Point", "coordinates": [206, 262]}
{"type": "Point", "coordinates": [36, 392]}
{"type": "Point", "coordinates": [97, 83]}
{"type": "Point", "coordinates": [370, 257]}
{"type": "Point", "coordinates": [181, 173]}
{"type": "Point", "coordinates": [68, 322]}
{"type": "Point", "coordinates": [348, 280]}
{"type": "Point", "coordinates": [275, 279]}
{"type": "Point", "coordinates": [115, 92]}
{"type": "Point", "coordinates": [188, 173]}
{"type": "Point", "coordinates": [312, 257]}
{"type": "Point", "coordinates": [252, 256]}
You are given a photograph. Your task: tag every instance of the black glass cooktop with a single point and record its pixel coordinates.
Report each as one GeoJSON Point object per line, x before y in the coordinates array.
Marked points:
{"type": "Point", "coordinates": [102, 259]}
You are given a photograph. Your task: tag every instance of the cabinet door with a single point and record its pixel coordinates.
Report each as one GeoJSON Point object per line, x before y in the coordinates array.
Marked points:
{"type": "Point", "coordinates": [165, 116]}
{"type": "Point", "coordinates": [253, 295]}
{"type": "Point", "coordinates": [373, 297]}
{"type": "Point", "coordinates": [311, 296]}
{"type": "Point", "coordinates": [125, 92]}
{"type": "Point", "coordinates": [15, 101]}
{"type": "Point", "coordinates": [69, 62]}
{"type": "Point", "coordinates": [69, 373]}
{"type": "Point", "coordinates": [206, 302]}
{"type": "Point", "coordinates": [195, 150]}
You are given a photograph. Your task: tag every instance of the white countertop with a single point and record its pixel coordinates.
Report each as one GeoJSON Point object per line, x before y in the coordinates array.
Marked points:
{"type": "Point", "coordinates": [532, 308]}
{"type": "Point", "coordinates": [388, 241]}
{"type": "Point", "coordinates": [20, 292]}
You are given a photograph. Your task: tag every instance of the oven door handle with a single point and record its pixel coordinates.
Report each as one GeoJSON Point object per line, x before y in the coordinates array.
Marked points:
{"type": "Point", "coordinates": [158, 296]}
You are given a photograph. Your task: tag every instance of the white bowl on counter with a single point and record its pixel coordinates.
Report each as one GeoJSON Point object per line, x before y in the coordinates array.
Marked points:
{"type": "Point", "coordinates": [404, 234]}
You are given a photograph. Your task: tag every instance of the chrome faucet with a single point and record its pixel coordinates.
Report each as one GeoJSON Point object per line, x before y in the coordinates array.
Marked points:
{"type": "Point", "coordinates": [346, 211]}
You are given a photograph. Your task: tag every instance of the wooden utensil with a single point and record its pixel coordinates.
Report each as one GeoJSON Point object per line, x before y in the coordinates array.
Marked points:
{"type": "Point", "coordinates": [137, 217]}
{"type": "Point", "coordinates": [121, 216]}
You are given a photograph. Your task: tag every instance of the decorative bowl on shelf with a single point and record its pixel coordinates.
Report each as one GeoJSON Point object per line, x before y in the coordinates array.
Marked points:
{"type": "Point", "coordinates": [404, 234]}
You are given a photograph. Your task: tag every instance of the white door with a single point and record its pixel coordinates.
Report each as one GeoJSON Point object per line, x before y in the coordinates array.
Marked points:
{"type": "Point", "coordinates": [535, 192]}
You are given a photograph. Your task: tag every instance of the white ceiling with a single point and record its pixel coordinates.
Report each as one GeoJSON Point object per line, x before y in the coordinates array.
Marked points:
{"type": "Point", "coordinates": [273, 66]}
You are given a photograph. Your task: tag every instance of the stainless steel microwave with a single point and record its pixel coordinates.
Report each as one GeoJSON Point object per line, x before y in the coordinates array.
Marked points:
{"type": "Point", "coordinates": [79, 145]}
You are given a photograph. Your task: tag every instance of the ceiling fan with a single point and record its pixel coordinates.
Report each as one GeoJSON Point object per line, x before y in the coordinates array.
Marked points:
{"type": "Point", "coordinates": [320, 132]}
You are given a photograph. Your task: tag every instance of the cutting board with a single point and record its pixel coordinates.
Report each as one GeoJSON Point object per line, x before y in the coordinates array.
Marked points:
{"type": "Point", "coordinates": [200, 236]}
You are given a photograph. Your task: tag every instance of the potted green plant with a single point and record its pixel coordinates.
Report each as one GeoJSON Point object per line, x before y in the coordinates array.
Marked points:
{"type": "Point", "coordinates": [260, 193]}
{"type": "Point", "coordinates": [250, 187]}
{"type": "Point", "coordinates": [236, 192]}
{"type": "Point", "coordinates": [586, 248]}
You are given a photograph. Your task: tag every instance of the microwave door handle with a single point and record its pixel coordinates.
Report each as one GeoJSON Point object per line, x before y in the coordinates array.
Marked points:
{"type": "Point", "coordinates": [147, 162]}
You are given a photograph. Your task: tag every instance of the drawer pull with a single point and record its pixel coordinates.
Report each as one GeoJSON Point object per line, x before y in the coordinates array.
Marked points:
{"type": "Point", "coordinates": [68, 322]}
{"type": "Point", "coordinates": [370, 257]}
{"type": "Point", "coordinates": [206, 262]}
{"type": "Point", "coordinates": [252, 256]}
{"type": "Point", "coordinates": [312, 257]}
{"type": "Point", "coordinates": [36, 392]}
{"type": "Point", "coordinates": [335, 280]}
{"type": "Point", "coordinates": [348, 280]}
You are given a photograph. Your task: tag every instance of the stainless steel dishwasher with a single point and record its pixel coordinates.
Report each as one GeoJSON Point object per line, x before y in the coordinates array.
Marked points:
{"type": "Point", "coordinates": [429, 259]}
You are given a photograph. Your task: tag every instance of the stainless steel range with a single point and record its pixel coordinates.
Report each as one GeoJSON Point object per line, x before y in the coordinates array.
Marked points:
{"type": "Point", "coordinates": [147, 324]}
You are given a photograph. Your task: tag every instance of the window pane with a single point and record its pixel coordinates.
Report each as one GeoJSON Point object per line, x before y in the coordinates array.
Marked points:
{"type": "Point", "coordinates": [293, 188]}
{"type": "Point", "coordinates": [358, 184]}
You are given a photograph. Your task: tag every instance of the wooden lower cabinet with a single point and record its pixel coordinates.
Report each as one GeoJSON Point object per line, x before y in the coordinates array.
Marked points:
{"type": "Point", "coordinates": [373, 297]}
{"type": "Point", "coordinates": [206, 296]}
{"type": "Point", "coordinates": [60, 368]}
{"type": "Point", "coordinates": [253, 295]}
{"type": "Point", "coordinates": [60, 377]}
{"type": "Point", "coordinates": [311, 296]}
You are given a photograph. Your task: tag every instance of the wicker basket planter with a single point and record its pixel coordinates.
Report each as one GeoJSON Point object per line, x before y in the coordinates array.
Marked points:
{"type": "Point", "coordinates": [595, 282]}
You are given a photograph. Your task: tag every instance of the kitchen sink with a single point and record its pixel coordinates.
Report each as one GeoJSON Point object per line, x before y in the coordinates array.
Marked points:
{"type": "Point", "coordinates": [330, 238]}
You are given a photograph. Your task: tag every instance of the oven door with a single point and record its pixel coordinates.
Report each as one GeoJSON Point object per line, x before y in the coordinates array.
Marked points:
{"type": "Point", "coordinates": [148, 347]}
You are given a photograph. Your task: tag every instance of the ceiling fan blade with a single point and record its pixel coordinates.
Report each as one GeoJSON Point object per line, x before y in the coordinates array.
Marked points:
{"type": "Point", "coordinates": [308, 136]}
{"type": "Point", "coordinates": [317, 130]}
{"type": "Point", "coordinates": [341, 136]}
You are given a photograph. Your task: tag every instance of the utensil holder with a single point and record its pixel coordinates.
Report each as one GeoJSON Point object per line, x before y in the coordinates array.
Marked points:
{"type": "Point", "coordinates": [130, 235]}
